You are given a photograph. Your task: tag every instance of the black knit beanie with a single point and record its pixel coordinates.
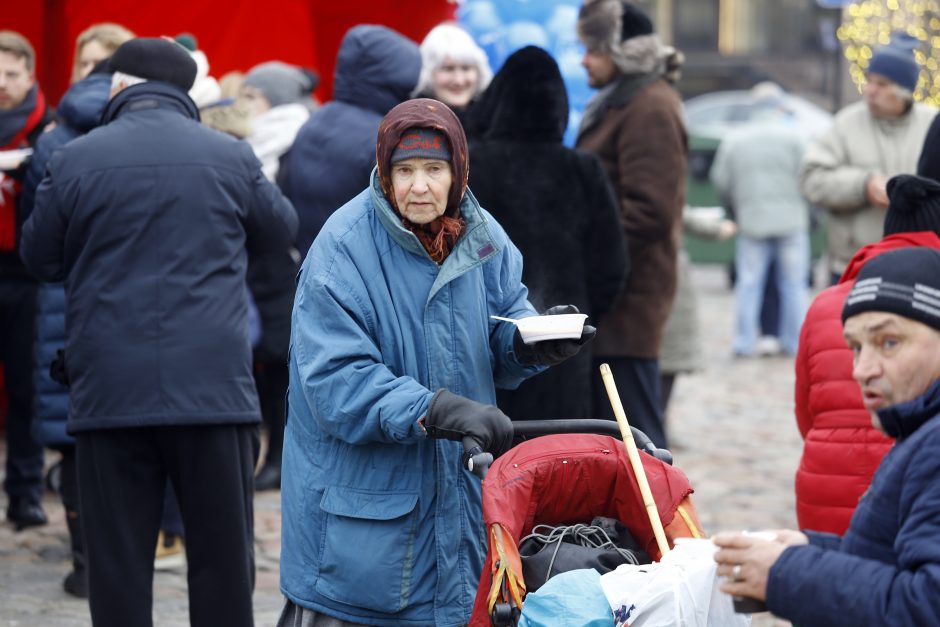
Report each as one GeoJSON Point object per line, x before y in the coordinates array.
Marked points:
{"type": "Point", "coordinates": [905, 282]}
{"type": "Point", "coordinates": [155, 59]}
{"type": "Point", "coordinates": [914, 205]}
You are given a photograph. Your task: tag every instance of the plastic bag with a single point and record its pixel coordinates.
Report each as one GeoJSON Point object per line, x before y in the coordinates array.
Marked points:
{"type": "Point", "coordinates": [570, 599]}
{"type": "Point", "coordinates": [682, 589]}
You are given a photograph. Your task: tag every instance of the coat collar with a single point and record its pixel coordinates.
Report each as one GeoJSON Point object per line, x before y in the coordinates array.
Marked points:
{"type": "Point", "coordinates": [618, 94]}
{"type": "Point", "coordinates": [149, 95]}
{"type": "Point", "coordinates": [903, 419]}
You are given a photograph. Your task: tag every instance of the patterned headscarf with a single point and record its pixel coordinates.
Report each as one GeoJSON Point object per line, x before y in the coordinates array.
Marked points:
{"type": "Point", "coordinates": [437, 237]}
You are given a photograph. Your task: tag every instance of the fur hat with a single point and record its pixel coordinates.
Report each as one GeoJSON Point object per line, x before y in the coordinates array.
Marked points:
{"type": "Point", "coordinates": [604, 24]}
{"type": "Point", "coordinates": [624, 31]}
{"type": "Point", "coordinates": [905, 282]}
{"type": "Point", "coordinates": [914, 205]}
{"type": "Point", "coordinates": [896, 61]}
{"type": "Point", "coordinates": [155, 59]}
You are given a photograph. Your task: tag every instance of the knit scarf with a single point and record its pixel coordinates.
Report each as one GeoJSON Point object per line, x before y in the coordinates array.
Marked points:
{"type": "Point", "coordinates": [439, 236]}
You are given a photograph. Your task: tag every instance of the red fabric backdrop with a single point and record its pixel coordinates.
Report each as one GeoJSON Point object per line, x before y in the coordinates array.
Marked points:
{"type": "Point", "coordinates": [235, 34]}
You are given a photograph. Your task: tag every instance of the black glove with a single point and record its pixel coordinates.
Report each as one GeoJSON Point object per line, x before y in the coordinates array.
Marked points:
{"type": "Point", "coordinates": [551, 352]}
{"type": "Point", "coordinates": [453, 417]}
{"type": "Point", "coordinates": [57, 370]}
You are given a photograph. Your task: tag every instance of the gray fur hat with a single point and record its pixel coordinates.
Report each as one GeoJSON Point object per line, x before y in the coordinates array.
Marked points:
{"type": "Point", "coordinates": [624, 31]}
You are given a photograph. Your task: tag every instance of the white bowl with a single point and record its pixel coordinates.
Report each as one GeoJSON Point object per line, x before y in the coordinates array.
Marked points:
{"type": "Point", "coordinates": [540, 328]}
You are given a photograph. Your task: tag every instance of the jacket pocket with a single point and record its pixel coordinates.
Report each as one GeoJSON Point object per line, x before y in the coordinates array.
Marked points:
{"type": "Point", "coordinates": [368, 548]}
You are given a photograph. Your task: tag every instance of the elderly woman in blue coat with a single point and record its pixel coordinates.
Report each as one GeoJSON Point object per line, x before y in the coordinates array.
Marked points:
{"type": "Point", "coordinates": [394, 363]}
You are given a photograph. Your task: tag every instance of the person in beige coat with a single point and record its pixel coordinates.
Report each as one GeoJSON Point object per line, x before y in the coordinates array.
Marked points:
{"type": "Point", "coordinates": [870, 141]}
{"type": "Point", "coordinates": [634, 125]}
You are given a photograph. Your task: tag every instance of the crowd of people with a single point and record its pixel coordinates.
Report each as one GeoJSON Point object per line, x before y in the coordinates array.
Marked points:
{"type": "Point", "coordinates": [183, 258]}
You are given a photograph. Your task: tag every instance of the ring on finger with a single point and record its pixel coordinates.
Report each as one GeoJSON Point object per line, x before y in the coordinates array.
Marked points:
{"type": "Point", "coordinates": [736, 573]}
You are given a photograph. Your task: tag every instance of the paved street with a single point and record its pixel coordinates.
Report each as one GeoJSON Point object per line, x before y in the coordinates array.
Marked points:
{"type": "Point", "coordinates": [732, 430]}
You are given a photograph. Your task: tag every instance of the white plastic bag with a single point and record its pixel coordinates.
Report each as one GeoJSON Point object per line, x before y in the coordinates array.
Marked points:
{"type": "Point", "coordinates": [681, 590]}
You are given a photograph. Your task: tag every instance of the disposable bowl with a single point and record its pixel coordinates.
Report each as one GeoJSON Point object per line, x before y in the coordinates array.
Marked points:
{"type": "Point", "coordinates": [540, 328]}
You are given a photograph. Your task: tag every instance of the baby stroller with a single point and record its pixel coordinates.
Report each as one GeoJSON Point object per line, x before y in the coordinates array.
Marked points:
{"type": "Point", "coordinates": [568, 476]}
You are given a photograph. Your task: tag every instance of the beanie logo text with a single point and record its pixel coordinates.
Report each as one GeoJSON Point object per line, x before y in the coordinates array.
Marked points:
{"type": "Point", "coordinates": [413, 141]}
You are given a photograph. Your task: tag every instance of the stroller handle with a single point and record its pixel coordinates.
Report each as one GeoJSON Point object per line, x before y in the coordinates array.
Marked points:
{"type": "Point", "coordinates": [478, 462]}
{"type": "Point", "coordinates": [524, 429]}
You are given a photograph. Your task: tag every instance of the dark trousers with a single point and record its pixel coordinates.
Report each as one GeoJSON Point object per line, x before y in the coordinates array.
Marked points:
{"type": "Point", "coordinates": [637, 382]}
{"type": "Point", "coordinates": [17, 331]}
{"type": "Point", "coordinates": [271, 383]}
{"type": "Point", "coordinates": [122, 477]}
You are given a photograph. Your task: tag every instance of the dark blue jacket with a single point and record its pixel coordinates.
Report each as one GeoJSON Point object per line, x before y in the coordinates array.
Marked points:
{"type": "Point", "coordinates": [885, 570]}
{"type": "Point", "coordinates": [79, 112]}
{"type": "Point", "coordinates": [147, 219]}
{"type": "Point", "coordinates": [334, 152]}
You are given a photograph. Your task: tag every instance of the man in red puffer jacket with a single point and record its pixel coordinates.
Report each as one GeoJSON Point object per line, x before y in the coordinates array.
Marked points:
{"type": "Point", "coordinates": [841, 448]}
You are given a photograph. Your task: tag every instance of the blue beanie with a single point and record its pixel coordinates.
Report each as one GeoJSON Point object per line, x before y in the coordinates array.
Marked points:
{"type": "Point", "coordinates": [896, 61]}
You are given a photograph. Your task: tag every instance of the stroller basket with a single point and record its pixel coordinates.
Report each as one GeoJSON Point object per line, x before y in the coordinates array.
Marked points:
{"type": "Point", "coordinates": [566, 478]}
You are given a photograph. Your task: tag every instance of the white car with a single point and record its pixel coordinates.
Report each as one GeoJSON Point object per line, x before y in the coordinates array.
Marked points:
{"type": "Point", "coordinates": [713, 115]}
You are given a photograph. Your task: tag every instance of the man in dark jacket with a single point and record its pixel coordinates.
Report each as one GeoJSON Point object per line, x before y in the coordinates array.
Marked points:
{"type": "Point", "coordinates": [556, 205]}
{"type": "Point", "coordinates": [634, 124]}
{"type": "Point", "coordinates": [147, 219]}
{"type": "Point", "coordinates": [885, 569]}
{"type": "Point", "coordinates": [23, 115]}
{"type": "Point", "coordinates": [334, 151]}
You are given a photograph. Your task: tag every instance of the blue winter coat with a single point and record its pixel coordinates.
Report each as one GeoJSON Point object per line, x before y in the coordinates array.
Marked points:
{"type": "Point", "coordinates": [147, 219]}
{"type": "Point", "coordinates": [79, 111]}
{"type": "Point", "coordinates": [381, 525]}
{"type": "Point", "coordinates": [885, 570]}
{"type": "Point", "coordinates": [334, 151]}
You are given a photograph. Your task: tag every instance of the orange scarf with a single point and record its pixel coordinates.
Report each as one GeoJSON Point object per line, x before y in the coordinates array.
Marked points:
{"type": "Point", "coordinates": [438, 237]}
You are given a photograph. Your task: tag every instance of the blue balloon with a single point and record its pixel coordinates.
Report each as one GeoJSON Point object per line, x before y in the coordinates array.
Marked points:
{"type": "Point", "coordinates": [520, 34]}
{"type": "Point", "coordinates": [479, 17]}
{"type": "Point", "coordinates": [527, 10]}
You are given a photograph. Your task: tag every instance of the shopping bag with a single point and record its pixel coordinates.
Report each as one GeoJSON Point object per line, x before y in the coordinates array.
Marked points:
{"type": "Point", "coordinates": [681, 589]}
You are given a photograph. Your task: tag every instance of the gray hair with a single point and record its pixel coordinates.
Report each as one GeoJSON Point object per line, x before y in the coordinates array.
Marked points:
{"type": "Point", "coordinates": [128, 79]}
{"type": "Point", "coordinates": [449, 41]}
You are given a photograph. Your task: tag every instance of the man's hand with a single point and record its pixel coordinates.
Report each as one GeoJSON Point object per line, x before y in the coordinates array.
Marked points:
{"type": "Point", "coordinates": [876, 190]}
{"type": "Point", "coordinates": [746, 560]}
{"type": "Point", "coordinates": [552, 352]}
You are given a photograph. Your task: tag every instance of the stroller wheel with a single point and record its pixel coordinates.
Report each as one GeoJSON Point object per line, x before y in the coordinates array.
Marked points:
{"type": "Point", "coordinates": [504, 615]}
{"type": "Point", "coordinates": [54, 478]}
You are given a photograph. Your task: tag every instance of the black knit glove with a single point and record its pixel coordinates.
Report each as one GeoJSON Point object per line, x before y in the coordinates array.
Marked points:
{"type": "Point", "coordinates": [552, 352]}
{"type": "Point", "coordinates": [453, 417]}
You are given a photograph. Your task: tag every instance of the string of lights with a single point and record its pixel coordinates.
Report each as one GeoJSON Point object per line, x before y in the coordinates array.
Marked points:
{"type": "Point", "coordinates": [869, 24]}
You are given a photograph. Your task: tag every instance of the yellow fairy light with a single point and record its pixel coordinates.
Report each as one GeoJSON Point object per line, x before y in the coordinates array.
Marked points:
{"type": "Point", "coordinates": [868, 24]}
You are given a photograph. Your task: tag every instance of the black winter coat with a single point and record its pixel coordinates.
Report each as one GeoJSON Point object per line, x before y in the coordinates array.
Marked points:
{"type": "Point", "coordinates": [334, 151]}
{"type": "Point", "coordinates": [147, 219]}
{"type": "Point", "coordinates": [558, 209]}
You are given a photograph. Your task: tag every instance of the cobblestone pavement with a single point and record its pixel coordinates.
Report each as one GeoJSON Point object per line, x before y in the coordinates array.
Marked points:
{"type": "Point", "coordinates": [732, 432]}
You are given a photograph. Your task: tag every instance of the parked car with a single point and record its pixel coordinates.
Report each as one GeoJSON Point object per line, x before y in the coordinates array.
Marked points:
{"type": "Point", "coordinates": [710, 117]}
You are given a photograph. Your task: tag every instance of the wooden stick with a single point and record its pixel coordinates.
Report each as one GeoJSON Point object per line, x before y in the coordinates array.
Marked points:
{"type": "Point", "coordinates": [635, 460]}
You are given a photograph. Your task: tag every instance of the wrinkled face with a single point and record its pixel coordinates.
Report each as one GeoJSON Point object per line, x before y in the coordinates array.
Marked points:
{"type": "Point", "coordinates": [15, 80]}
{"type": "Point", "coordinates": [895, 358]}
{"type": "Point", "coordinates": [455, 83]}
{"type": "Point", "coordinates": [253, 100]}
{"type": "Point", "coordinates": [600, 68]}
{"type": "Point", "coordinates": [89, 56]}
{"type": "Point", "coordinates": [421, 187]}
{"type": "Point", "coordinates": [881, 96]}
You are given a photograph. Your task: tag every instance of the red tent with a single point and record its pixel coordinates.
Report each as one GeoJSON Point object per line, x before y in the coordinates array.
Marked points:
{"type": "Point", "coordinates": [235, 35]}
